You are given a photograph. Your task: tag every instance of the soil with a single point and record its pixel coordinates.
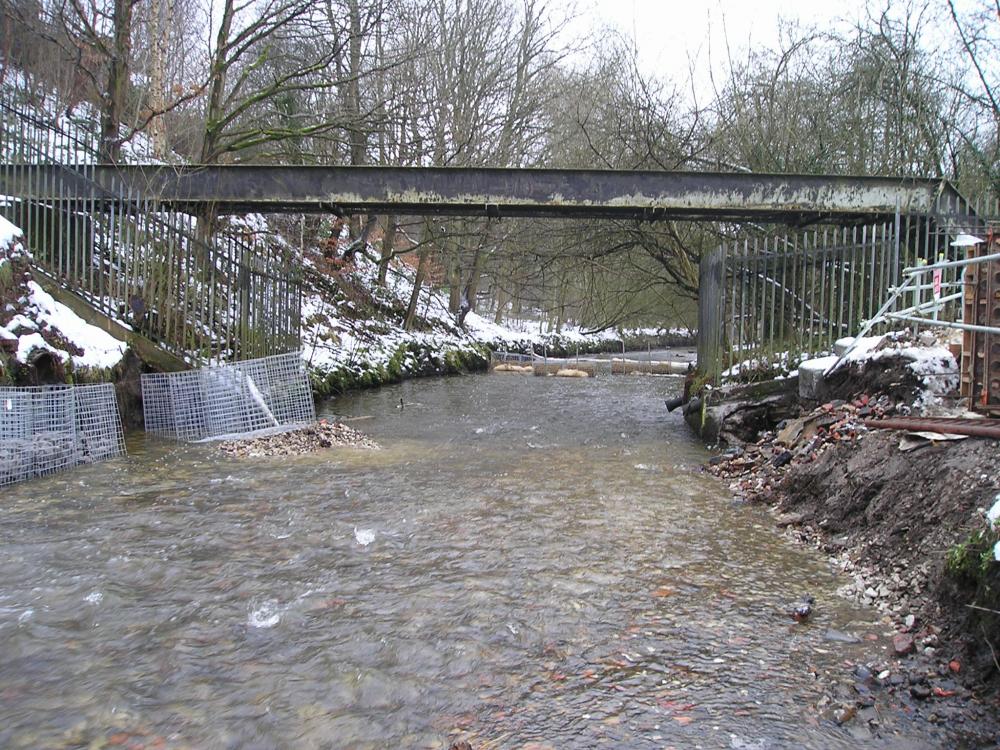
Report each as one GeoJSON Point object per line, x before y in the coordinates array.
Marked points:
{"type": "Point", "coordinates": [889, 518]}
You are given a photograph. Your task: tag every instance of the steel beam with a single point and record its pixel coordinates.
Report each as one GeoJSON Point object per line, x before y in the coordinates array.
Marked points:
{"type": "Point", "coordinates": [494, 192]}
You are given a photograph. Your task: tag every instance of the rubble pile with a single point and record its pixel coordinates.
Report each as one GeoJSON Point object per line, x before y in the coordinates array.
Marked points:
{"type": "Point", "coordinates": [756, 468]}
{"type": "Point", "coordinates": [318, 436]}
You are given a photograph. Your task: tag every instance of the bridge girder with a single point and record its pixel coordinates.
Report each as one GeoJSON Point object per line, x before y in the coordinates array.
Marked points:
{"type": "Point", "coordinates": [575, 193]}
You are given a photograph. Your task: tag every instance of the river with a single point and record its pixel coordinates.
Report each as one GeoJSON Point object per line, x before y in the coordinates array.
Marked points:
{"type": "Point", "coordinates": [527, 560]}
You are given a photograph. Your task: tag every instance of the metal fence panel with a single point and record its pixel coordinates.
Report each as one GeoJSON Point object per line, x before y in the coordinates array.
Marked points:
{"type": "Point", "coordinates": [789, 295]}
{"type": "Point", "coordinates": [270, 393]}
{"type": "Point", "coordinates": [44, 429]}
{"type": "Point", "coordinates": [98, 423]}
{"type": "Point", "coordinates": [229, 296]}
{"type": "Point", "coordinates": [157, 405]}
{"type": "Point", "coordinates": [766, 302]}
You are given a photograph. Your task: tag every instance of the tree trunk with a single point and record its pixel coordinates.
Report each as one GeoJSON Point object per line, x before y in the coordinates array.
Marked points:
{"type": "Point", "coordinates": [358, 145]}
{"type": "Point", "coordinates": [157, 52]}
{"type": "Point", "coordinates": [472, 287]}
{"type": "Point", "coordinates": [118, 75]}
{"type": "Point", "coordinates": [501, 306]}
{"type": "Point", "coordinates": [411, 309]}
{"type": "Point", "coordinates": [454, 281]}
{"type": "Point", "coordinates": [217, 87]}
{"type": "Point", "coordinates": [388, 243]}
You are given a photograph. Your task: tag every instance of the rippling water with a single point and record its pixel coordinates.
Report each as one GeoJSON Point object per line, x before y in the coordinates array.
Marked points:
{"type": "Point", "coordinates": [526, 560]}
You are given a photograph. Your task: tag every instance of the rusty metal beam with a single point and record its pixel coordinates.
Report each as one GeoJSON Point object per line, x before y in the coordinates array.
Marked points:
{"type": "Point", "coordinates": [498, 193]}
{"type": "Point", "coordinates": [987, 428]}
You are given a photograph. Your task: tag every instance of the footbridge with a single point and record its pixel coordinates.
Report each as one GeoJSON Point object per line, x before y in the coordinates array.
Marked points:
{"type": "Point", "coordinates": [814, 256]}
{"type": "Point", "coordinates": [568, 193]}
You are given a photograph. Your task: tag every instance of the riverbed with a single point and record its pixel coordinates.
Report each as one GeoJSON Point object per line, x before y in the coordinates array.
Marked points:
{"type": "Point", "coordinates": [525, 560]}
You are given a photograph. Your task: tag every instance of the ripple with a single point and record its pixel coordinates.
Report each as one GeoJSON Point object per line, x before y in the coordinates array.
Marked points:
{"type": "Point", "coordinates": [364, 537]}
{"type": "Point", "coordinates": [560, 592]}
{"type": "Point", "coordinates": [265, 614]}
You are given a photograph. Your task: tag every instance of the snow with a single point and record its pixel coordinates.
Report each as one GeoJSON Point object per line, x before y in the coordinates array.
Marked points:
{"type": "Point", "coordinates": [934, 366]}
{"type": "Point", "coordinates": [37, 311]}
{"type": "Point", "coordinates": [27, 344]}
{"type": "Point", "coordinates": [862, 347]}
{"type": "Point", "coordinates": [781, 363]}
{"type": "Point", "coordinates": [9, 233]}
{"type": "Point", "coordinates": [364, 537]}
{"type": "Point", "coordinates": [21, 321]}
{"type": "Point", "coordinates": [816, 366]}
{"type": "Point", "coordinates": [100, 349]}
{"type": "Point", "coordinates": [967, 240]}
{"type": "Point", "coordinates": [993, 514]}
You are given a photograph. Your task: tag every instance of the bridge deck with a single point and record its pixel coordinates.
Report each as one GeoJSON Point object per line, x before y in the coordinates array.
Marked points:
{"type": "Point", "coordinates": [493, 192]}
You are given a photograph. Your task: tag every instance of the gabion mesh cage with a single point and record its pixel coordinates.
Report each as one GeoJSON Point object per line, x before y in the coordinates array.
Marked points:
{"type": "Point", "coordinates": [44, 429]}
{"type": "Point", "coordinates": [271, 393]}
{"type": "Point", "coordinates": [98, 424]}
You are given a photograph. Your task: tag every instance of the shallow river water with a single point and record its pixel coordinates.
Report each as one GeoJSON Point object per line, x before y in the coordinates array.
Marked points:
{"type": "Point", "coordinates": [527, 560]}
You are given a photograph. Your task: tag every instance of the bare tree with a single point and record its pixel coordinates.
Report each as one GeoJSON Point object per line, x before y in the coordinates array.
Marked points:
{"type": "Point", "coordinates": [978, 125]}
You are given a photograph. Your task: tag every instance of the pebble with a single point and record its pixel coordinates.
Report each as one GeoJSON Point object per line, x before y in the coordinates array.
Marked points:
{"type": "Point", "coordinates": [314, 437]}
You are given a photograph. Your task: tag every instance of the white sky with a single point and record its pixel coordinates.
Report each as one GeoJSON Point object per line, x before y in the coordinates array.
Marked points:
{"type": "Point", "coordinates": [669, 33]}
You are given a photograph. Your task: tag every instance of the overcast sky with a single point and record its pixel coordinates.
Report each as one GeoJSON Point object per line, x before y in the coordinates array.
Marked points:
{"type": "Point", "coordinates": [669, 33]}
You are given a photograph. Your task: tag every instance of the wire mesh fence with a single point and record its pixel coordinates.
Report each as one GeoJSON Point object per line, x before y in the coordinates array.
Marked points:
{"type": "Point", "coordinates": [44, 429]}
{"type": "Point", "coordinates": [98, 424]}
{"type": "Point", "coordinates": [252, 396]}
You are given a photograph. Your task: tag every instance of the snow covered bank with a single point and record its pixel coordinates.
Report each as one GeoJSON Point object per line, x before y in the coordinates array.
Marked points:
{"type": "Point", "coordinates": [926, 366]}
{"type": "Point", "coordinates": [33, 324]}
{"type": "Point", "coordinates": [354, 335]}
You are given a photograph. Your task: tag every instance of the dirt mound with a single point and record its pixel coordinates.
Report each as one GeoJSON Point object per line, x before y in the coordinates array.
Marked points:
{"type": "Point", "coordinates": [314, 437]}
{"type": "Point", "coordinates": [896, 518]}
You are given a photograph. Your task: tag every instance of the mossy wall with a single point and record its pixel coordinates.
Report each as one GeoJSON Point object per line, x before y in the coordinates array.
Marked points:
{"type": "Point", "coordinates": [410, 360]}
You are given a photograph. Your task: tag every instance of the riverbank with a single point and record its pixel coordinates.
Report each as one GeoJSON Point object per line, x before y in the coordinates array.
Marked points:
{"type": "Point", "coordinates": [356, 331]}
{"type": "Point", "coordinates": [902, 516]}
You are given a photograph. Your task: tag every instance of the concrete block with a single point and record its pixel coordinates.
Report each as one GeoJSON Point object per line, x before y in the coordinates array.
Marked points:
{"type": "Point", "coordinates": [811, 379]}
{"type": "Point", "coordinates": [840, 346]}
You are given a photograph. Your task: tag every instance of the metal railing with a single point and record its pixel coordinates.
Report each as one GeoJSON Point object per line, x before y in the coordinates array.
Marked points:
{"type": "Point", "coordinates": [930, 295]}
{"type": "Point", "coordinates": [201, 298]}
{"type": "Point", "coordinates": [768, 302]}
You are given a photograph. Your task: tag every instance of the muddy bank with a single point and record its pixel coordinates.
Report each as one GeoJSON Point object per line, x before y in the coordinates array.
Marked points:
{"type": "Point", "coordinates": [892, 522]}
{"type": "Point", "coordinates": [901, 516]}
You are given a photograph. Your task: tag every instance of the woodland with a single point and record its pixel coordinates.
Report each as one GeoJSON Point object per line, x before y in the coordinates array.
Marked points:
{"type": "Point", "coordinates": [910, 90]}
